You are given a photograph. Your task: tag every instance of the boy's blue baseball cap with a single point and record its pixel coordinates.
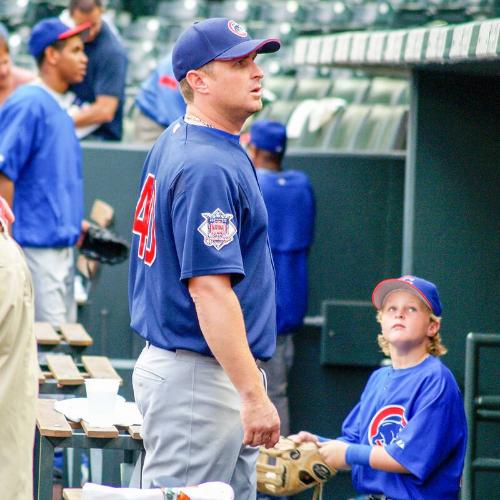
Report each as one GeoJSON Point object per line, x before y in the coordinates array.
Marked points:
{"type": "Point", "coordinates": [424, 289]}
{"type": "Point", "coordinates": [218, 39]}
{"type": "Point", "coordinates": [268, 135]}
{"type": "Point", "coordinates": [49, 31]}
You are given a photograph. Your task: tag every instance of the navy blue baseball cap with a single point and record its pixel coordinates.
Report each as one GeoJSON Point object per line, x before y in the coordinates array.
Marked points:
{"type": "Point", "coordinates": [215, 39]}
{"type": "Point", "coordinates": [423, 289]}
{"type": "Point", "coordinates": [48, 31]}
{"type": "Point", "coordinates": [268, 135]}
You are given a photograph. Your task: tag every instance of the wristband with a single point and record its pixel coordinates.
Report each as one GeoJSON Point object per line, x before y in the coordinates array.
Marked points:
{"type": "Point", "coordinates": [358, 454]}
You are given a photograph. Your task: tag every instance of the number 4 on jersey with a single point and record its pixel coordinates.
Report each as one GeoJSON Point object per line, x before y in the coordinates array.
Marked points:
{"type": "Point", "coordinates": [144, 221]}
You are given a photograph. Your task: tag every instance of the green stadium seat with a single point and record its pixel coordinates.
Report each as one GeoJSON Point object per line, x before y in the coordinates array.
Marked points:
{"type": "Point", "coordinates": [281, 86]}
{"type": "Point", "coordinates": [352, 90]}
{"type": "Point", "coordinates": [238, 10]}
{"type": "Point", "coordinates": [346, 128]}
{"type": "Point", "coordinates": [386, 91]}
{"type": "Point", "coordinates": [183, 11]}
{"type": "Point", "coordinates": [408, 13]}
{"type": "Point", "coordinates": [311, 88]}
{"type": "Point", "coordinates": [321, 117]}
{"type": "Point", "coordinates": [384, 129]}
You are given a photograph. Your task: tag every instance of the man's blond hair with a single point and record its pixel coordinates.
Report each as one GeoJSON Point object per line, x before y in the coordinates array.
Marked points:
{"type": "Point", "coordinates": [186, 90]}
{"type": "Point", "coordinates": [434, 347]}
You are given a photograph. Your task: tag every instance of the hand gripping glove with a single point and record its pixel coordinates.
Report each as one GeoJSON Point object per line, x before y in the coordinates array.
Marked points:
{"type": "Point", "coordinates": [289, 468]}
{"type": "Point", "coordinates": [104, 246]}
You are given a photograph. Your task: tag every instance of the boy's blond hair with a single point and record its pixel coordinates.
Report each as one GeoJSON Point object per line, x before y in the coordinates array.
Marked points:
{"type": "Point", "coordinates": [434, 347]}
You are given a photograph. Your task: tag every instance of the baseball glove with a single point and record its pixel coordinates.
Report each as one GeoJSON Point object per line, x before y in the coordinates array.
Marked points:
{"type": "Point", "coordinates": [289, 468]}
{"type": "Point", "coordinates": [104, 246]}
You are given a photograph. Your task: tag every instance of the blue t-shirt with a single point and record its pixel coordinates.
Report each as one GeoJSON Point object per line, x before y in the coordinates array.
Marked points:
{"type": "Point", "coordinates": [106, 74]}
{"type": "Point", "coordinates": [40, 153]}
{"type": "Point", "coordinates": [291, 210]}
{"type": "Point", "coordinates": [200, 212]}
{"type": "Point", "coordinates": [159, 98]}
{"type": "Point", "coordinates": [417, 414]}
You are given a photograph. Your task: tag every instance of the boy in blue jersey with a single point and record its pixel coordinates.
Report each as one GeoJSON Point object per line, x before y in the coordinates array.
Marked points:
{"type": "Point", "coordinates": [201, 283]}
{"type": "Point", "coordinates": [41, 168]}
{"type": "Point", "coordinates": [406, 438]}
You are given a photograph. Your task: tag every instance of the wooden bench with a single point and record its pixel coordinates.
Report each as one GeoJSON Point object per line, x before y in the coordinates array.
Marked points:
{"type": "Point", "coordinates": [54, 430]}
{"type": "Point", "coordinates": [61, 375]}
{"type": "Point", "coordinates": [73, 334]}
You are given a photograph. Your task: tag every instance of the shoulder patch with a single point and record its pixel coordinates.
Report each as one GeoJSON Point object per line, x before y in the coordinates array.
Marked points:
{"type": "Point", "coordinates": [217, 228]}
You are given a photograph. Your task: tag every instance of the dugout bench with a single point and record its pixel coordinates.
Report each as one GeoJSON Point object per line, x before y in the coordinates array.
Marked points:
{"type": "Point", "coordinates": [54, 430]}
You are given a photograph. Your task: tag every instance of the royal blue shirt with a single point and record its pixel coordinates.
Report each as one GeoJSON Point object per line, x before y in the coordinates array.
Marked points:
{"type": "Point", "coordinates": [291, 210]}
{"type": "Point", "coordinates": [417, 414]}
{"type": "Point", "coordinates": [40, 153]}
{"type": "Point", "coordinates": [106, 74]}
{"type": "Point", "coordinates": [208, 218]}
{"type": "Point", "coordinates": [159, 98]}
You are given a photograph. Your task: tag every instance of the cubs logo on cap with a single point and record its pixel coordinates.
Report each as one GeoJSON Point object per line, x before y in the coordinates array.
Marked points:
{"type": "Point", "coordinates": [386, 425]}
{"type": "Point", "coordinates": [423, 289]}
{"type": "Point", "coordinates": [236, 28]}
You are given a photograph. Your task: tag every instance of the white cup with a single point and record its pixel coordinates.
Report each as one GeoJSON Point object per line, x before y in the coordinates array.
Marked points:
{"type": "Point", "coordinates": [101, 397]}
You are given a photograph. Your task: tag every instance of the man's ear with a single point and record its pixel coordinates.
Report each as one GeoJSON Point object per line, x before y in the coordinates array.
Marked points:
{"type": "Point", "coordinates": [197, 80]}
{"type": "Point", "coordinates": [52, 55]}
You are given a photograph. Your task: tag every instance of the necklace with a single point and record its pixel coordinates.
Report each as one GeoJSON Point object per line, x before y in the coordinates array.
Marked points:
{"type": "Point", "coordinates": [194, 120]}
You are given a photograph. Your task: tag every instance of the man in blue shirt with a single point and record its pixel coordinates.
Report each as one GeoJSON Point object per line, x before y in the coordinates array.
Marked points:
{"type": "Point", "coordinates": [201, 285]}
{"type": "Point", "coordinates": [289, 199]}
{"type": "Point", "coordinates": [41, 168]}
{"type": "Point", "coordinates": [103, 87]}
{"type": "Point", "coordinates": [158, 103]}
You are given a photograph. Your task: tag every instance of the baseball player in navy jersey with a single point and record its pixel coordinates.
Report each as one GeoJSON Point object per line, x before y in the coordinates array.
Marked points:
{"type": "Point", "coordinates": [406, 438]}
{"type": "Point", "coordinates": [201, 286]}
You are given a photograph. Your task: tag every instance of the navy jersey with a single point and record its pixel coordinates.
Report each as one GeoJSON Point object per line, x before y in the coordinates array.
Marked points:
{"type": "Point", "coordinates": [291, 209]}
{"type": "Point", "coordinates": [40, 153]}
{"type": "Point", "coordinates": [200, 212]}
{"type": "Point", "coordinates": [106, 73]}
{"type": "Point", "coordinates": [159, 98]}
{"type": "Point", "coordinates": [417, 414]}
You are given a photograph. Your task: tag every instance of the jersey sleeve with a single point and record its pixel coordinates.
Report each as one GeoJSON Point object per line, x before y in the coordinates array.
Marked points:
{"type": "Point", "coordinates": [350, 427]}
{"type": "Point", "coordinates": [111, 75]}
{"type": "Point", "coordinates": [433, 432]}
{"type": "Point", "coordinates": [206, 218]}
{"type": "Point", "coordinates": [18, 136]}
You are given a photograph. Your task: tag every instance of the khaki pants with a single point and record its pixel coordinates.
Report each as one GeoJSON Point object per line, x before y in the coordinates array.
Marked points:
{"type": "Point", "coordinates": [18, 373]}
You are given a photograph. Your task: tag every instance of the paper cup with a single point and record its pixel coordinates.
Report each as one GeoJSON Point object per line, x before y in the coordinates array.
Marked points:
{"type": "Point", "coordinates": [101, 398]}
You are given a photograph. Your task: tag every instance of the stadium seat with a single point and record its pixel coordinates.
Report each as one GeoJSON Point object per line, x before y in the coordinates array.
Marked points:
{"type": "Point", "coordinates": [345, 129]}
{"type": "Point", "coordinates": [371, 15]}
{"type": "Point", "coordinates": [311, 88]}
{"type": "Point", "coordinates": [181, 11]}
{"type": "Point", "coordinates": [407, 13]}
{"type": "Point", "coordinates": [329, 17]}
{"type": "Point", "coordinates": [352, 90]}
{"type": "Point", "coordinates": [281, 86]}
{"type": "Point", "coordinates": [386, 91]}
{"type": "Point", "coordinates": [384, 129]}
{"type": "Point", "coordinates": [321, 117]}
{"type": "Point", "coordinates": [449, 11]}
{"type": "Point", "coordinates": [239, 10]}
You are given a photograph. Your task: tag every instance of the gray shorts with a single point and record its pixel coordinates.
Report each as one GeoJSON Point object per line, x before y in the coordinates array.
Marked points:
{"type": "Point", "coordinates": [192, 430]}
{"type": "Point", "coordinates": [53, 273]}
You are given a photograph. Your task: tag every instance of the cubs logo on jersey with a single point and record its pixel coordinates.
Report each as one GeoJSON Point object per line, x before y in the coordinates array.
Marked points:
{"type": "Point", "coordinates": [217, 229]}
{"type": "Point", "coordinates": [386, 425]}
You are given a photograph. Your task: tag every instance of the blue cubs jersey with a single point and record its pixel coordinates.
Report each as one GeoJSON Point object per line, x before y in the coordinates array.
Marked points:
{"type": "Point", "coordinates": [40, 153]}
{"type": "Point", "coordinates": [291, 210]}
{"type": "Point", "coordinates": [417, 414]}
{"type": "Point", "coordinates": [159, 98]}
{"type": "Point", "coordinates": [200, 212]}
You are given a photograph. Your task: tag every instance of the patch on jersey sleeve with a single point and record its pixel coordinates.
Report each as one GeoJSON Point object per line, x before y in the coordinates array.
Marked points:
{"type": "Point", "coordinates": [385, 426]}
{"type": "Point", "coordinates": [217, 229]}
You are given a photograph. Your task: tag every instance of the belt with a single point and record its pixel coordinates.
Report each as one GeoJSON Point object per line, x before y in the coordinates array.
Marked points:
{"type": "Point", "coordinates": [376, 496]}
